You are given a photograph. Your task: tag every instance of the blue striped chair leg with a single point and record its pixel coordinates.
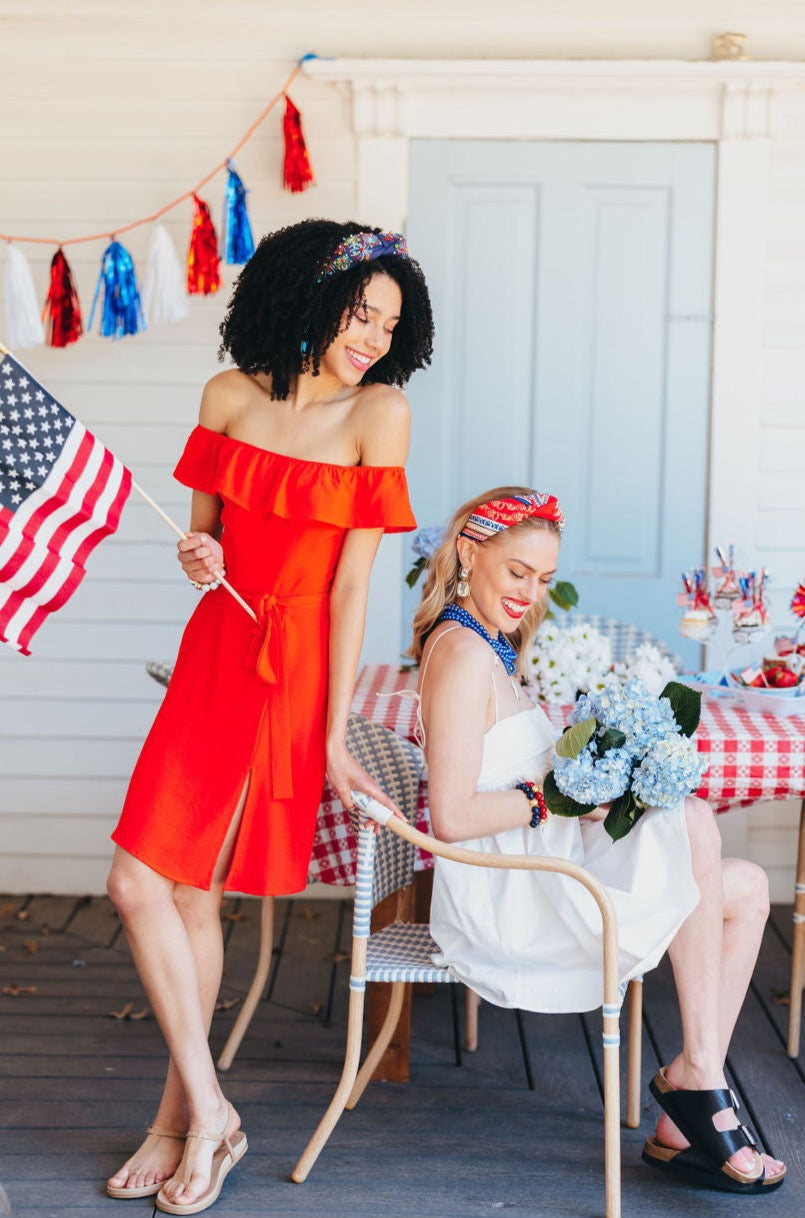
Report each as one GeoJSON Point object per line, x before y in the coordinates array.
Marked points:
{"type": "Point", "coordinates": [612, 1115]}
{"type": "Point", "coordinates": [352, 1057]}
{"type": "Point", "coordinates": [381, 1042]}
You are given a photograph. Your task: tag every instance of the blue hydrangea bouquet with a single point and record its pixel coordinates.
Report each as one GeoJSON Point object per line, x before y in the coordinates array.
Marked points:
{"type": "Point", "coordinates": [626, 747]}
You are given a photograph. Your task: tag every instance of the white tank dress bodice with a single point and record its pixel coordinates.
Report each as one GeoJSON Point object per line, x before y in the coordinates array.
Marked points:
{"type": "Point", "coordinates": [532, 940]}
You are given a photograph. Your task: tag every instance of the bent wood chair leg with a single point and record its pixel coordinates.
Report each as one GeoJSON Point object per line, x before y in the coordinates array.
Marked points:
{"type": "Point", "coordinates": [634, 1054]}
{"type": "Point", "coordinates": [381, 1043]}
{"type": "Point", "coordinates": [255, 989]}
{"type": "Point", "coordinates": [338, 1103]}
{"type": "Point", "coordinates": [797, 947]}
{"type": "Point", "coordinates": [472, 1002]}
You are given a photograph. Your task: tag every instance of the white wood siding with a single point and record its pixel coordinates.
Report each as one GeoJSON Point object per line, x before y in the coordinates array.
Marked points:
{"type": "Point", "coordinates": [108, 112]}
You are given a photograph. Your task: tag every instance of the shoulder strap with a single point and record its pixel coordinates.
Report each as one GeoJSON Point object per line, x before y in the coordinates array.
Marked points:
{"type": "Point", "coordinates": [420, 727]}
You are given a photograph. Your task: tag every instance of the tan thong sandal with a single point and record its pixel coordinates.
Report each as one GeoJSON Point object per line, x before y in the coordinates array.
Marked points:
{"type": "Point", "coordinates": [121, 1193]}
{"type": "Point", "coordinates": [230, 1148]}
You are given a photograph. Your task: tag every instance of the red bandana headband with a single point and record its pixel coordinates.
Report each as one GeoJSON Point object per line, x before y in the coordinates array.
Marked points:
{"type": "Point", "coordinates": [489, 519]}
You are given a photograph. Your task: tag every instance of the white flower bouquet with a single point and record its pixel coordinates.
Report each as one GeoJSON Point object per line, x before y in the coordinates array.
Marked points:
{"type": "Point", "coordinates": [566, 660]}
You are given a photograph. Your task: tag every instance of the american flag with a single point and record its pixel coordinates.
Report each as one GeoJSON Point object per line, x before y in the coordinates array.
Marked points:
{"type": "Point", "coordinates": [61, 492]}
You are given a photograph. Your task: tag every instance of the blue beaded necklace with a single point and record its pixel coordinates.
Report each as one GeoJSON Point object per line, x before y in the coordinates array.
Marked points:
{"type": "Point", "coordinates": [501, 646]}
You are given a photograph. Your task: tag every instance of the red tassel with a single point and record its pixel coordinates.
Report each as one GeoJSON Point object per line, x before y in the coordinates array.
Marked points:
{"type": "Point", "coordinates": [296, 171]}
{"type": "Point", "coordinates": [64, 324]}
{"type": "Point", "coordinates": [203, 263]}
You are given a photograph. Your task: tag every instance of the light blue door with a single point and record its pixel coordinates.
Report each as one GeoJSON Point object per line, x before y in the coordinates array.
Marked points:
{"type": "Point", "coordinates": [572, 290]}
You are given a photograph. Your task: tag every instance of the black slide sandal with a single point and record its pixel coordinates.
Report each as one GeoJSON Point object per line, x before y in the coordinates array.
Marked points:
{"type": "Point", "coordinates": [705, 1162]}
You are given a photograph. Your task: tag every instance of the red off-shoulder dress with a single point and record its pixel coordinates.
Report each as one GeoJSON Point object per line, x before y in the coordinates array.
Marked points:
{"type": "Point", "coordinates": [248, 699]}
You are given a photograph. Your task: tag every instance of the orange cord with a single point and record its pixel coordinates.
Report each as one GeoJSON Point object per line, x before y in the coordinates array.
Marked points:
{"type": "Point", "coordinates": [188, 194]}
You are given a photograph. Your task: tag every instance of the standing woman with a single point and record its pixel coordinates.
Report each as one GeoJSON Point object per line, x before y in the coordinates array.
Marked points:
{"type": "Point", "coordinates": [296, 470]}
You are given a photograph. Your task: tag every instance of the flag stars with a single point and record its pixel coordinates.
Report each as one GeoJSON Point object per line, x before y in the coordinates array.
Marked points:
{"type": "Point", "coordinates": [26, 398]}
{"type": "Point", "coordinates": [28, 413]}
{"type": "Point", "coordinates": [40, 395]}
{"type": "Point", "coordinates": [43, 413]}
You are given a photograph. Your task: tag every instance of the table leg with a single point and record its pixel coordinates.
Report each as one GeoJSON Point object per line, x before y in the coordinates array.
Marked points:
{"type": "Point", "coordinates": [797, 946]}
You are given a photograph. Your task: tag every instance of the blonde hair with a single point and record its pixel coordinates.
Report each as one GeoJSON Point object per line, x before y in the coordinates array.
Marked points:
{"type": "Point", "coordinates": [442, 576]}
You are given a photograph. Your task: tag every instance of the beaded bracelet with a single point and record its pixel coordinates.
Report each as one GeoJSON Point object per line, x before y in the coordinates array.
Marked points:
{"type": "Point", "coordinates": [539, 808]}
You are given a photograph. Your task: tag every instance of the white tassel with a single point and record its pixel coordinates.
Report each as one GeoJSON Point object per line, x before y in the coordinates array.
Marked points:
{"type": "Point", "coordinates": [164, 296]}
{"type": "Point", "coordinates": [23, 319]}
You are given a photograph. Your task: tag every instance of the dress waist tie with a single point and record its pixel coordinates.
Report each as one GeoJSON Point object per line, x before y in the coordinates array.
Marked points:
{"type": "Point", "coordinates": [266, 657]}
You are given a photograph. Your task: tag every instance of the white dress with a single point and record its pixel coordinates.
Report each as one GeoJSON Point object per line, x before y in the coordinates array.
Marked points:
{"type": "Point", "coordinates": [533, 939]}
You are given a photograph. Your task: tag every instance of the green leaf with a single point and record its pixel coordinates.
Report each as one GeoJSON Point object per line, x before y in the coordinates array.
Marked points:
{"type": "Point", "coordinates": [610, 739]}
{"type": "Point", "coordinates": [574, 738]}
{"type": "Point", "coordinates": [686, 703]}
{"type": "Point", "coordinates": [559, 804]}
{"type": "Point", "coordinates": [564, 595]}
{"type": "Point", "coordinates": [415, 572]}
{"type": "Point", "coordinates": [623, 815]}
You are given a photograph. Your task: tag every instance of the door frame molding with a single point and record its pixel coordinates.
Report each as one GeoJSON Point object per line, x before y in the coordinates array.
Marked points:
{"type": "Point", "coordinates": [741, 107]}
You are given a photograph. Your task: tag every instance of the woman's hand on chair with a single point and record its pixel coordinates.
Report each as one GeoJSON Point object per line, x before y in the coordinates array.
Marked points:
{"type": "Point", "coordinates": [345, 775]}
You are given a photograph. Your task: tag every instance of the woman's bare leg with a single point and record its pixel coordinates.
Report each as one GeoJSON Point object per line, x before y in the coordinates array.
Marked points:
{"type": "Point", "coordinates": [175, 936]}
{"type": "Point", "coordinates": [713, 957]}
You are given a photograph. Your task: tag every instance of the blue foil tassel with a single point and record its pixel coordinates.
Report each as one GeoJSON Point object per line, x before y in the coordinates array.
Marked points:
{"type": "Point", "coordinates": [122, 310]}
{"type": "Point", "coordinates": [239, 240]}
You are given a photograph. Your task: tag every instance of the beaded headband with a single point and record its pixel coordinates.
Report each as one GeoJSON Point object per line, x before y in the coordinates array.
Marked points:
{"type": "Point", "coordinates": [362, 247]}
{"type": "Point", "coordinates": [489, 519]}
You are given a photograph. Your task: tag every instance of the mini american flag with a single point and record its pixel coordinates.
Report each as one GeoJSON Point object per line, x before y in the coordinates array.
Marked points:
{"type": "Point", "coordinates": [61, 492]}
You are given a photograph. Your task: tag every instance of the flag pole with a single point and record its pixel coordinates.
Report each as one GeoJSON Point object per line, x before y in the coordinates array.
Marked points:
{"type": "Point", "coordinates": [181, 533]}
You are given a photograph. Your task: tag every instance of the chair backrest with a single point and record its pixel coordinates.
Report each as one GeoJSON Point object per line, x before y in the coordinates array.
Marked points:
{"type": "Point", "coordinates": [396, 765]}
{"type": "Point", "coordinates": [624, 637]}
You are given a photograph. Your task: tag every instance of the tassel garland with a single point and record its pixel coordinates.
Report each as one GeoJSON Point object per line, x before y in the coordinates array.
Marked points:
{"type": "Point", "coordinates": [23, 322]}
{"type": "Point", "coordinates": [122, 310]}
{"type": "Point", "coordinates": [203, 263]}
{"type": "Point", "coordinates": [164, 296]}
{"type": "Point", "coordinates": [239, 245]}
{"type": "Point", "coordinates": [297, 173]}
{"type": "Point", "coordinates": [62, 304]}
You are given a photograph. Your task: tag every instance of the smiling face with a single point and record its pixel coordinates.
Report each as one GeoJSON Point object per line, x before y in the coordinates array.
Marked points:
{"type": "Point", "coordinates": [366, 336]}
{"type": "Point", "coordinates": [508, 574]}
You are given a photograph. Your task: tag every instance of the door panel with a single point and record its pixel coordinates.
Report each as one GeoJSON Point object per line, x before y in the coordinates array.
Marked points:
{"type": "Point", "coordinates": [572, 287]}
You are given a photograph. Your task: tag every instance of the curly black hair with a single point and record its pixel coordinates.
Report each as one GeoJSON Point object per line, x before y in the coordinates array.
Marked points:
{"type": "Point", "coordinates": [280, 320]}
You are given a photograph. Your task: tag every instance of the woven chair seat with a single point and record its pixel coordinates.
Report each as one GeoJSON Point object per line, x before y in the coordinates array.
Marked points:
{"type": "Point", "coordinates": [402, 952]}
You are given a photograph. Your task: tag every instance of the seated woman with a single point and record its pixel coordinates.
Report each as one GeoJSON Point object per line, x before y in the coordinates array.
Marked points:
{"type": "Point", "coordinates": [532, 940]}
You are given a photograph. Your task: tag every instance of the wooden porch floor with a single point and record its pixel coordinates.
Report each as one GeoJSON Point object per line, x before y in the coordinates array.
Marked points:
{"type": "Point", "coordinates": [80, 1069]}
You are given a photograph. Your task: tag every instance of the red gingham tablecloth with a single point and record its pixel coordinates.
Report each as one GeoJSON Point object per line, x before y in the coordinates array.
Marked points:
{"type": "Point", "coordinates": [753, 756]}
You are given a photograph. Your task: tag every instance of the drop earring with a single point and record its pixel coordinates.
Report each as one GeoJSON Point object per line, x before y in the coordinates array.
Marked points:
{"type": "Point", "coordinates": [463, 585]}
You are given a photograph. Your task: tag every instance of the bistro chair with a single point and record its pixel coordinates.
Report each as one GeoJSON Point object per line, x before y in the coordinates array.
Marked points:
{"type": "Point", "coordinates": [401, 953]}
